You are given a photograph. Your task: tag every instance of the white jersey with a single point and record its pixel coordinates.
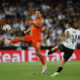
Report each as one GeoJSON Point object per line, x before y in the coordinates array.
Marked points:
{"type": "Point", "coordinates": [74, 37]}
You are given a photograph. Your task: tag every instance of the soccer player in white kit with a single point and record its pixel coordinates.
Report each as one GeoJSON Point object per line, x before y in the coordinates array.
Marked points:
{"type": "Point", "coordinates": [72, 36]}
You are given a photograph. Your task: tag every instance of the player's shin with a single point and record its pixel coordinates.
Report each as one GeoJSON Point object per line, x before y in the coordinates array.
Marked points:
{"type": "Point", "coordinates": [59, 69]}
{"type": "Point", "coordinates": [42, 59]}
{"type": "Point", "coordinates": [15, 40]}
{"type": "Point", "coordinates": [61, 65]}
{"type": "Point", "coordinates": [44, 64]}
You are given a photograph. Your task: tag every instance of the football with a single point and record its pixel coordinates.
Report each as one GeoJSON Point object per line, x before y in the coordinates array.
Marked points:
{"type": "Point", "coordinates": [7, 27]}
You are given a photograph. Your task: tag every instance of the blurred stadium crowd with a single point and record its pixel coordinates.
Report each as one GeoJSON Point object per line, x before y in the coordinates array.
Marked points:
{"type": "Point", "coordinates": [56, 13]}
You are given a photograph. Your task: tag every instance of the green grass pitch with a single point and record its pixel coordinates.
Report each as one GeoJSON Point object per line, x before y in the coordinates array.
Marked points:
{"type": "Point", "coordinates": [32, 71]}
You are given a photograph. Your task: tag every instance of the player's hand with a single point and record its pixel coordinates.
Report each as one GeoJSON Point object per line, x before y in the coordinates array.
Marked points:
{"type": "Point", "coordinates": [6, 41]}
{"type": "Point", "coordinates": [30, 22]}
{"type": "Point", "coordinates": [25, 32]}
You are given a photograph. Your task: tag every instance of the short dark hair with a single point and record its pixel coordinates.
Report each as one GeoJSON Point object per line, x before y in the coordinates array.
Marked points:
{"type": "Point", "coordinates": [38, 9]}
{"type": "Point", "coordinates": [69, 24]}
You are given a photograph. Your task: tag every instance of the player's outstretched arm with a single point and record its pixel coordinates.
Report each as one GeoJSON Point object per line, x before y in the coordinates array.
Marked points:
{"type": "Point", "coordinates": [37, 25]}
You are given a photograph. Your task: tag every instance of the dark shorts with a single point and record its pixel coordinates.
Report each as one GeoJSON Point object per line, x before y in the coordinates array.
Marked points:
{"type": "Point", "coordinates": [36, 42]}
{"type": "Point", "coordinates": [67, 52]}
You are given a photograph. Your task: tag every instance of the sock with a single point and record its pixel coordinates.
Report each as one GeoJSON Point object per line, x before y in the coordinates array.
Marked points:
{"type": "Point", "coordinates": [52, 51]}
{"type": "Point", "coordinates": [59, 69]}
{"type": "Point", "coordinates": [42, 59]}
{"type": "Point", "coordinates": [15, 40]}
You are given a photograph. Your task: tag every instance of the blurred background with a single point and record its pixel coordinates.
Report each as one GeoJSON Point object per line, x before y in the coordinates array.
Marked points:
{"type": "Point", "coordinates": [56, 13]}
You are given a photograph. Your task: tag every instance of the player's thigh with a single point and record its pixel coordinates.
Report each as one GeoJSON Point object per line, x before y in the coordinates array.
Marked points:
{"type": "Point", "coordinates": [36, 44]}
{"type": "Point", "coordinates": [27, 39]}
{"type": "Point", "coordinates": [67, 55]}
{"type": "Point", "coordinates": [61, 47]}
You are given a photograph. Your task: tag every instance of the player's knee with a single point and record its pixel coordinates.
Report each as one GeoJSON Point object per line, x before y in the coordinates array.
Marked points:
{"type": "Point", "coordinates": [21, 38]}
{"type": "Point", "coordinates": [37, 52]}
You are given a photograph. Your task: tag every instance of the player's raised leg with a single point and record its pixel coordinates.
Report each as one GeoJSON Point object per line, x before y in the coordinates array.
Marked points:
{"type": "Point", "coordinates": [52, 51]}
{"type": "Point", "coordinates": [17, 40]}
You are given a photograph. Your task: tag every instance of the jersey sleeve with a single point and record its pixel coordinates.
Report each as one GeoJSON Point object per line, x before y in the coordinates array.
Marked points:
{"type": "Point", "coordinates": [79, 36]}
{"type": "Point", "coordinates": [66, 31]}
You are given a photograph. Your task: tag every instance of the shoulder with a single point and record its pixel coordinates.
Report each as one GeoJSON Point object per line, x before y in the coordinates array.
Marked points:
{"type": "Point", "coordinates": [42, 20]}
{"type": "Point", "coordinates": [69, 30]}
{"type": "Point", "coordinates": [78, 31]}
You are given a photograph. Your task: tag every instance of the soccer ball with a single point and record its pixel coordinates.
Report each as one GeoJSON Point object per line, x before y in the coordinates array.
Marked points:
{"type": "Point", "coordinates": [7, 27]}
